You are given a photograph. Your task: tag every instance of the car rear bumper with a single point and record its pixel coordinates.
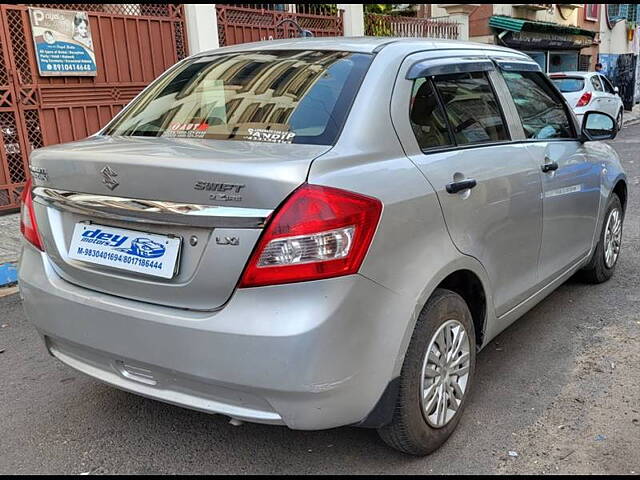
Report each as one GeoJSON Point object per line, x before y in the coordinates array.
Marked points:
{"type": "Point", "coordinates": [310, 355]}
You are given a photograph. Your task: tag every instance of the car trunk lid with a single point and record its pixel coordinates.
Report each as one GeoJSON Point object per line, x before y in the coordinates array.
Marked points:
{"type": "Point", "coordinates": [212, 196]}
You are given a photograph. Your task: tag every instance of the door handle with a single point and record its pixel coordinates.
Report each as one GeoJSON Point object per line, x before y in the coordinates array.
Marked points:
{"type": "Point", "coordinates": [456, 187]}
{"type": "Point", "coordinates": [550, 166]}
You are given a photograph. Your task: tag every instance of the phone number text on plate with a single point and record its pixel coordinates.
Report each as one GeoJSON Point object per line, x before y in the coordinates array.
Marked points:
{"type": "Point", "coordinates": [119, 258]}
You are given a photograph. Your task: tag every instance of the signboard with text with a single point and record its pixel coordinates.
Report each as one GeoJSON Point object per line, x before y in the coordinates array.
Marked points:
{"type": "Point", "coordinates": [546, 40]}
{"type": "Point", "coordinates": [63, 43]}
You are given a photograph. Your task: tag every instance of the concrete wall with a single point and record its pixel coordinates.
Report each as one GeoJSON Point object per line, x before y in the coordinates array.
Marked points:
{"type": "Point", "coordinates": [437, 11]}
{"type": "Point", "coordinates": [555, 15]}
{"type": "Point", "coordinates": [352, 19]}
{"type": "Point", "coordinates": [479, 22]}
{"type": "Point", "coordinates": [202, 27]}
{"type": "Point", "coordinates": [614, 40]}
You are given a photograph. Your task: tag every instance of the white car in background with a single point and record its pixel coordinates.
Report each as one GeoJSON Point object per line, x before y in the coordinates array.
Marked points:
{"type": "Point", "coordinates": [586, 91]}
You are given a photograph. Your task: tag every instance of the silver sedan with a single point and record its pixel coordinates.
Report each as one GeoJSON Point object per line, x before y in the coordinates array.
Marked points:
{"type": "Point", "coordinates": [318, 232]}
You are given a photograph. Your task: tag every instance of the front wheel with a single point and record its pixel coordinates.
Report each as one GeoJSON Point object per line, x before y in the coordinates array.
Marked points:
{"type": "Point", "coordinates": [436, 376]}
{"type": "Point", "coordinates": [605, 257]}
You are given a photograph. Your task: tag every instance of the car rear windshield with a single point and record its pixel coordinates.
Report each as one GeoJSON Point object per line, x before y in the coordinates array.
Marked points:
{"type": "Point", "coordinates": [300, 96]}
{"type": "Point", "coordinates": [568, 84]}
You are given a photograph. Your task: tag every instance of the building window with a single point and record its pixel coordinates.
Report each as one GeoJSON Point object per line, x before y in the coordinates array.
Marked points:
{"type": "Point", "coordinates": [623, 11]}
{"type": "Point", "coordinates": [617, 11]}
{"type": "Point", "coordinates": [540, 58]}
{"type": "Point", "coordinates": [563, 62]}
{"type": "Point", "coordinates": [584, 62]}
{"type": "Point", "coordinates": [591, 11]}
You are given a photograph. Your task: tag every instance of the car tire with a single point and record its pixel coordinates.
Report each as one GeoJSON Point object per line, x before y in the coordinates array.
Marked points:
{"type": "Point", "coordinates": [412, 430]}
{"type": "Point", "coordinates": [601, 267]}
{"type": "Point", "coordinates": [619, 120]}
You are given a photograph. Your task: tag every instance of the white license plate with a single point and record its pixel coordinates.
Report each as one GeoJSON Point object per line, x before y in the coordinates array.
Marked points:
{"type": "Point", "coordinates": [128, 250]}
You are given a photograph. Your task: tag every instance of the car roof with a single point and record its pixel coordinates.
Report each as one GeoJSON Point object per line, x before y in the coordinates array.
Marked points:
{"type": "Point", "coordinates": [359, 45]}
{"type": "Point", "coordinates": [574, 74]}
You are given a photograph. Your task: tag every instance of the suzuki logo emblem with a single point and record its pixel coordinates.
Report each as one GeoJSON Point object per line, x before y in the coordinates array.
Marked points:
{"type": "Point", "coordinates": [108, 177]}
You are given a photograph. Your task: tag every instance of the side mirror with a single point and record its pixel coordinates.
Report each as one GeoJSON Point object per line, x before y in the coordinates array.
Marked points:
{"type": "Point", "coordinates": [616, 90]}
{"type": "Point", "coordinates": [598, 126]}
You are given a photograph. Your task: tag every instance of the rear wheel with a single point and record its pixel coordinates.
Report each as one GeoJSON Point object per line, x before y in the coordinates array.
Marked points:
{"type": "Point", "coordinates": [605, 257]}
{"type": "Point", "coordinates": [436, 376]}
{"type": "Point", "coordinates": [619, 120]}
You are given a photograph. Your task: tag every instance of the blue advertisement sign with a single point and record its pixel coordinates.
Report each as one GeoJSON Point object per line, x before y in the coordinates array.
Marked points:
{"type": "Point", "coordinates": [63, 43]}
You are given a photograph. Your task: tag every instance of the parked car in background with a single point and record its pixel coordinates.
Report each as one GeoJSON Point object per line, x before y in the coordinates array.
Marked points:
{"type": "Point", "coordinates": [319, 232]}
{"type": "Point", "coordinates": [587, 91]}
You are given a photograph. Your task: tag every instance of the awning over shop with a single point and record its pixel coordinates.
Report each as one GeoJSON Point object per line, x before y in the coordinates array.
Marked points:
{"type": "Point", "coordinates": [519, 25]}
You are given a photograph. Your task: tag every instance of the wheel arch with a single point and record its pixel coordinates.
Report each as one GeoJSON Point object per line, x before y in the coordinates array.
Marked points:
{"type": "Point", "coordinates": [620, 189]}
{"type": "Point", "coordinates": [469, 286]}
{"type": "Point", "coordinates": [467, 277]}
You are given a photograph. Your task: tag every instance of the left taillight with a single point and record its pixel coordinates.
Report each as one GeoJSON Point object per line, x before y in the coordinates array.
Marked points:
{"type": "Point", "coordinates": [28, 225]}
{"type": "Point", "coordinates": [318, 232]}
{"type": "Point", "coordinates": [584, 99]}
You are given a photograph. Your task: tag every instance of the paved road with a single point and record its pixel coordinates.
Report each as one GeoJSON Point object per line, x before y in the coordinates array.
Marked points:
{"type": "Point", "coordinates": [9, 237]}
{"type": "Point", "coordinates": [560, 387]}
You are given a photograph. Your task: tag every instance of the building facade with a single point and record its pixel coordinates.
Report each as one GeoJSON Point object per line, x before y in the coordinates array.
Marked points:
{"type": "Point", "coordinates": [619, 49]}
{"type": "Point", "coordinates": [565, 37]}
{"type": "Point", "coordinates": [560, 37]}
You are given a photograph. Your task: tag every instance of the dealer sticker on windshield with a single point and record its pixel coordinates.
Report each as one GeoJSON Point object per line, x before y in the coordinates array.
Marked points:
{"type": "Point", "coordinates": [129, 250]}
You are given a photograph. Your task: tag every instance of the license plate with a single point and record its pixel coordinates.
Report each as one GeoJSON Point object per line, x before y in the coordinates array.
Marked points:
{"type": "Point", "coordinates": [139, 252]}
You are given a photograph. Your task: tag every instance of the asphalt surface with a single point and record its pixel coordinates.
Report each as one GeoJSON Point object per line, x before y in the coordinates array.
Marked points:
{"type": "Point", "coordinates": [560, 388]}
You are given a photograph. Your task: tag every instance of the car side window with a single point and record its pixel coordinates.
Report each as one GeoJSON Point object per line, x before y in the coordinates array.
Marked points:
{"type": "Point", "coordinates": [542, 112]}
{"type": "Point", "coordinates": [607, 84]}
{"type": "Point", "coordinates": [597, 84]}
{"type": "Point", "coordinates": [472, 109]}
{"type": "Point", "coordinates": [427, 118]}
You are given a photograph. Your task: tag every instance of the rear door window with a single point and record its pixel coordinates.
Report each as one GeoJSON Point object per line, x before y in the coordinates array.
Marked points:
{"type": "Point", "coordinates": [597, 84]}
{"type": "Point", "coordinates": [279, 96]}
{"type": "Point", "coordinates": [472, 108]}
{"type": "Point", "coordinates": [542, 111]}
{"type": "Point", "coordinates": [427, 117]}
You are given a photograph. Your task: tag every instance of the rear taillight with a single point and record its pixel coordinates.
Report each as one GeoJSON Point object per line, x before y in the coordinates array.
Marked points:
{"type": "Point", "coordinates": [28, 225]}
{"type": "Point", "coordinates": [584, 99]}
{"type": "Point", "coordinates": [318, 232]}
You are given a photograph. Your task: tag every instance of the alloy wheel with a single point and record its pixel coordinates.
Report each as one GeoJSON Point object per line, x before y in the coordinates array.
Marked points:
{"type": "Point", "coordinates": [619, 121]}
{"type": "Point", "coordinates": [612, 238]}
{"type": "Point", "coordinates": [445, 373]}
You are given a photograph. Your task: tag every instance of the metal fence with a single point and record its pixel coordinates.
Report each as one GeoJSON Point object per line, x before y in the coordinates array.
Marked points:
{"type": "Point", "coordinates": [398, 26]}
{"type": "Point", "coordinates": [134, 43]}
{"type": "Point", "coordinates": [241, 23]}
{"type": "Point", "coordinates": [325, 9]}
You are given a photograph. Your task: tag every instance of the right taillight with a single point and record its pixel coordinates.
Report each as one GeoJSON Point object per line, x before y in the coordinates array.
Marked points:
{"type": "Point", "coordinates": [318, 232]}
{"type": "Point", "coordinates": [584, 99]}
{"type": "Point", "coordinates": [28, 225]}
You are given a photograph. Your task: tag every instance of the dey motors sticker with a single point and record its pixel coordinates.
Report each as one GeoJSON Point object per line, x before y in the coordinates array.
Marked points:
{"type": "Point", "coordinates": [140, 247]}
{"type": "Point", "coordinates": [146, 253]}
